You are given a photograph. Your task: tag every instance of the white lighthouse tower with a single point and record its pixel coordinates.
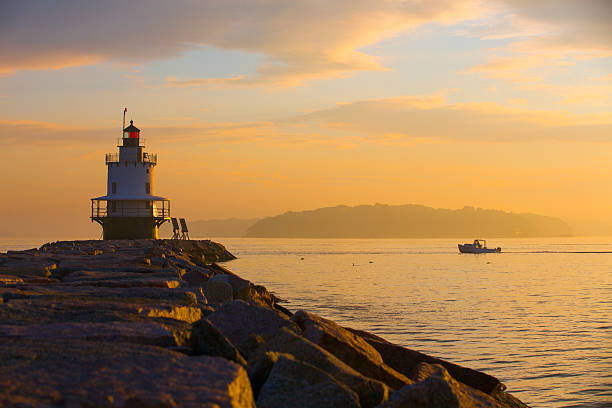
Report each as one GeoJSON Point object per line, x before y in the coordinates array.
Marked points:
{"type": "Point", "coordinates": [130, 209]}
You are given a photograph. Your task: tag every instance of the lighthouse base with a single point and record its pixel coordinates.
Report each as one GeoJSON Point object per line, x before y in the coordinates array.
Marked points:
{"type": "Point", "coordinates": [130, 227]}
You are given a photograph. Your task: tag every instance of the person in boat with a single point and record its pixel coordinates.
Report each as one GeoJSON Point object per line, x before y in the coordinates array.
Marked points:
{"type": "Point", "coordinates": [477, 243]}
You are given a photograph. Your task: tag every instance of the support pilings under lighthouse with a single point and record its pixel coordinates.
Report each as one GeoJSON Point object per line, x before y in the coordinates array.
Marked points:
{"type": "Point", "coordinates": [130, 209]}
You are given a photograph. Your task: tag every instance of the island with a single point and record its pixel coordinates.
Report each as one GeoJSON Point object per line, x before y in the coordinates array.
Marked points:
{"type": "Point", "coordinates": [163, 323]}
{"type": "Point", "coordinates": [406, 221]}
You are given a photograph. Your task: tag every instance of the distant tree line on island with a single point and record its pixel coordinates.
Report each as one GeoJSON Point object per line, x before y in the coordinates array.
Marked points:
{"type": "Point", "coordinates": [406, 221]}
{"type": "Point", "coordinates": [383, 221]}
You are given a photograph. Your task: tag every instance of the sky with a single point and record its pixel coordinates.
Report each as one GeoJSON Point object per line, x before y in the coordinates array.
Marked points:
{"type": "Point", "coordinates": [263, 106]}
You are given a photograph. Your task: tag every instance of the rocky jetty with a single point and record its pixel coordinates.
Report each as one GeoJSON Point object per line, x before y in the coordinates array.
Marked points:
{"type": "Point", "coordinates": [159, 323]}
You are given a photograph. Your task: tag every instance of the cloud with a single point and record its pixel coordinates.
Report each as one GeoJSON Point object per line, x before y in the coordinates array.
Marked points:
{"type": "Point", "coordinates": [581, 25]}
{"type": "Point", "coordinates": [173, 82]}
{"type": "Point", "coordinates": [400, 120]}
{"type": "Point", "coordinates": [13, 133]}
{"type": "Point", "coordinates": [549, 26]}
{"type": "Point", "coordinates": [301, 40]}
{"type": "Point", "coordinates": [53, 135]}
{"type": "Point", "coordinates": [416, 119]}
{"type": "Point", "coordinates": [549, 36]}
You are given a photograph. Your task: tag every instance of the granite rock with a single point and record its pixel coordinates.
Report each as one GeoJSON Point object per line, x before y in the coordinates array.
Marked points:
{"type": "Point", "coordinates": [207, 339]}
{"type": "Point", "coordinates": [219, 290]}
{"type": "Point", "coordinates": [195, 278]}
{"type": "Point", "coordinates": [152, 333]}
{"type": "Point", "coordinates": [293, 383]}
{"type": "Point", "coordinates": [77, 373]}
{"type": "Point", "coordinates": [348, 347]}
{"type": "Point", "coordinates": [238, 320]}
{"type": "Point", "coordinates": [437, 389]}
{"type": "Point", "coordinates": [405, 361]}
{"type": "Point", "coordinates": [29, 311]}
{"type": "Point", "coordinates": [243, 289]}
{"type": "Point", "coordinates": [177, 296]}
{"type": "Point", "coordinates": [370, 392]}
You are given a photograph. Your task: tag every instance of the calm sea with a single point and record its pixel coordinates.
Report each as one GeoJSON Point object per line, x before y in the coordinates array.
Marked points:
{"type": "Point", "coordinates": [538, 316]}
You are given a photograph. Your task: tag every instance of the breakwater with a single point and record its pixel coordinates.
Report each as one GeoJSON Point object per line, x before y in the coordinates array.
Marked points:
{"type": "Point", "coordinates": [160, 323]}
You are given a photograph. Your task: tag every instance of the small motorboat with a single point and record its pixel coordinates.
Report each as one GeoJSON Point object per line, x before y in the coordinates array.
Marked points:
{"type": "Point", "coordinates": [478, 247]}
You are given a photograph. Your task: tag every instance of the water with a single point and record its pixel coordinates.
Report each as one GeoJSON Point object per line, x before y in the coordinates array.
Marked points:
{"type": "Point", "coordinates": [539, 321]}
{"type": "Point", "coordinates": [537, 316]}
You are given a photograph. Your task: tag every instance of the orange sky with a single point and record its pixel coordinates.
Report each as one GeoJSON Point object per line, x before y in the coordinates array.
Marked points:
{"type": "Point", "coordinates": [259, 107]}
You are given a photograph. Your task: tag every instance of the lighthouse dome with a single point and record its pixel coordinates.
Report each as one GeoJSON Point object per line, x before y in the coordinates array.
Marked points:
{"type": "Point", "coordinates": [131, 128]}
{"type": "Point", "coordinates": [131, 135]}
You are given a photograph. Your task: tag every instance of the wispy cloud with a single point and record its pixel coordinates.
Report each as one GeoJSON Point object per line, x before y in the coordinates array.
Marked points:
{"type": "Point", "coordinates": [52, 135]}
{"type": "Point", "coordinates": [550, 36]}
{"type": "Point", "coordinates": [415, 119]}
{"type": "Point", "coordinates": [301, 40]}
{"type": "Point", "coordinates": [174, 82]}
{"type": "Point", "coordinates": [15, 132]}
{"type": "Point", "coordinates": [400, 120]}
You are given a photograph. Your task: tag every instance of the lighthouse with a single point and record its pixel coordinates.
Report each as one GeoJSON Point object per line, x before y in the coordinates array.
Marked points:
{"type": "Point", "coordinates": [130, 209]}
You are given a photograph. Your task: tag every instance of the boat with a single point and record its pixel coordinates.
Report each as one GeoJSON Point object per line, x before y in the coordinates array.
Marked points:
{"type": "Point", "coordinates": [478, 247]}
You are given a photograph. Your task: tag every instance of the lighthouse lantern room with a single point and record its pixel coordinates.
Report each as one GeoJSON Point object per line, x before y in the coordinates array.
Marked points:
{"type": "Point", "coordinates": [130, 209]}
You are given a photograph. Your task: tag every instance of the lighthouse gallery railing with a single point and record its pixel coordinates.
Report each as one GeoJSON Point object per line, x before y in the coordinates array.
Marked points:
{"type": "Point", "coordinates": [146, 158]}
{"type": "Point", "coordinates": [98, 211]}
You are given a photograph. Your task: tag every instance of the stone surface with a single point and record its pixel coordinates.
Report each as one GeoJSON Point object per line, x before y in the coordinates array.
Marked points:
{"type": "Point", "coordinates": [437, 389]}
{"type": "Point", "coordinates": [219, 290]}
{"type": "Point", "coordinates": [296, 384]}
{"type": "Point", "coordinates": [238, 320]}
{"type": "Point", "coordinates": [243, 289]}
{"type": "Point", "coordinates": [94, 276]}
{"type": "Point", "coordinates": [250, 346]}
{"type": "Point", "coordinates": [10, 280]}
{"type": "Point", "coordinates": [129, 283]}
{"type": "Point", "coordinates": [236, 282]}
{"type": "Point", "coordinates": [370, 392]}
{"type": "Point", "coordinates": [151, 333]}
{"type": "Point", "coordinates": [195, 278]}
{"type": "Point", "coordinates": [350, 348]}
{"type": "Point", "coordinates": [405, 361]}
{"type": "Point", "coordinates": [201, 251]}
{"type": "Point", "coordinates": [76, 373]}
{"type": "Point", "coordinates": [27, 311]}
{"type": "Point", "coordinates": [207, 339]}
{"type": "Point", "coordinates": [27, 268]}
{"type": "Point", "coordinates": [177, 296]}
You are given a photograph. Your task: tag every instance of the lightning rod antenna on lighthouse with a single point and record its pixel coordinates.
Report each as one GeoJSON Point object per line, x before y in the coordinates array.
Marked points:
{"type": "Point", "coordinates": [124, 111]}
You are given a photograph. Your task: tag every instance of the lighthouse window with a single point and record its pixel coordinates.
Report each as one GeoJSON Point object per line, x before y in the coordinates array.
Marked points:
{"type": "Point", "coordinates": [148, 188]}
{"type": "Point", "coordinates": [114, 188]}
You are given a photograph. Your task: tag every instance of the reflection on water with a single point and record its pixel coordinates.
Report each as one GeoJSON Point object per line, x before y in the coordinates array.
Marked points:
{"type": "Point", "coordinates": [541, 322]}
{"type": "Point", "coordinates": [537, 316]}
